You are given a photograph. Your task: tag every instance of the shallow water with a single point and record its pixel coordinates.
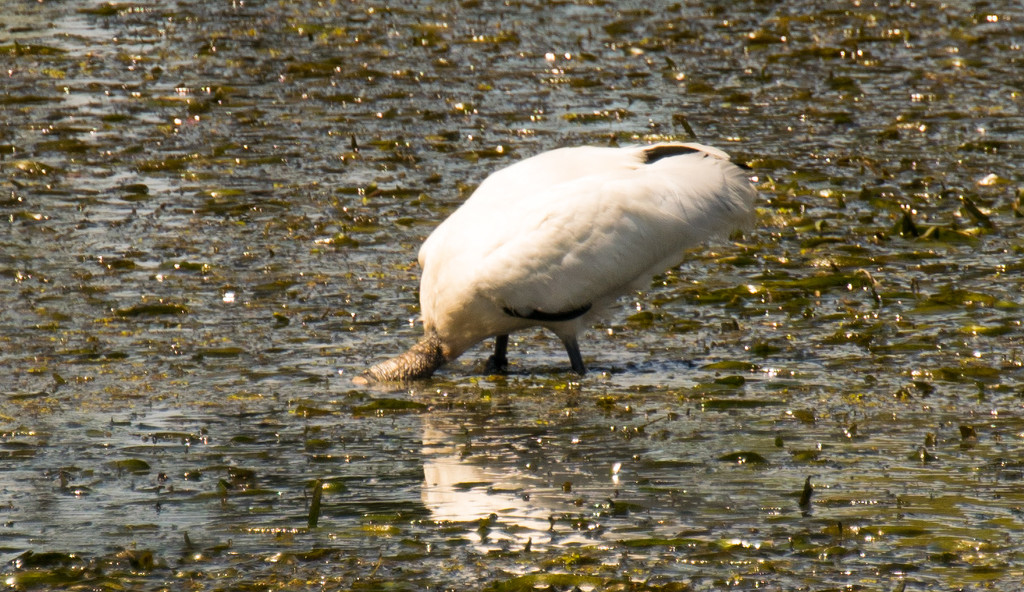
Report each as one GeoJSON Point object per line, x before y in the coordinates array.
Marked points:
{"type": "Point", "coordinates": [210, 216]}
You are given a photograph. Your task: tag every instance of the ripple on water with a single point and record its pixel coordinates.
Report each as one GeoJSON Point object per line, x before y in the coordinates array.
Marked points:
{"type": "Point", "coordinates": [211, 216]}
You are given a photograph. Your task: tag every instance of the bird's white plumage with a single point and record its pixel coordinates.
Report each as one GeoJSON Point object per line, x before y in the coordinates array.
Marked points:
{"type": "Point", "coordinates": [569, 229]}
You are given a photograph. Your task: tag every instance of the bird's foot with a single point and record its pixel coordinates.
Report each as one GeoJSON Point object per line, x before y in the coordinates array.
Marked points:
{"type": "Point", "coordinates": [496, 364]}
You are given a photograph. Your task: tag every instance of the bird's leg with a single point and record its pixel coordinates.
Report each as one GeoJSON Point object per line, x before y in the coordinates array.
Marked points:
{"type": "Point", "coordinates": [498, 362]}
{"type": "Point", "coordinates": [573, 349]}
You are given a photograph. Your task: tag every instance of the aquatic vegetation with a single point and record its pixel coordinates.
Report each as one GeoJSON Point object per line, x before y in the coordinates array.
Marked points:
{"type": "Point", "coordinates": [210, 213]}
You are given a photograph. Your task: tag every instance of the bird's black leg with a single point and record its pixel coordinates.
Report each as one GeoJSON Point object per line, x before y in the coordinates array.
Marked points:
{"type": "Point", "coordinates": [573, 349]}
{"type": "Point", "coordinates": [498, 362]}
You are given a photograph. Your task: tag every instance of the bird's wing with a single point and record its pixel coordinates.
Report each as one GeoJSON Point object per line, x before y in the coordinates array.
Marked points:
{"type": "Point", "coordinates": [517, 182]}
{"type": "Point", "coordinates": [593, 238]}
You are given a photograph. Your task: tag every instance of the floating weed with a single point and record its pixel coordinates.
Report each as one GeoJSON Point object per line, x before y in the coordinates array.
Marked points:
{"type": "Point", "coordinates": [970, 371]}
{"type": "Point", "coordinates": [743, 458]}
{"type": "Point", "coordinates": [34, 167]}
{"type": "Point", "coordinates": [309, 411]}
{"type": "Point", "coordinates": [951, 296]}
{"type": "Point", "coordinates": [21, 50]}
{"type": "Point", "coordinates": [732, 365]}
{"type": "Point", "coordinates": [727, 404]}
{"type": "Point", "coordinates": [131, 465]}
{"type": "Point", "coordinates": [540, 581]}
{"type": "Point", "coordinates": [27, 98]}
{"type": "Point", "coordinates": [645, 543]}
{"type": "Point", "coordinates": [806, 456]}
{"type": "Point", "coordinates": [806, 416]}
{"type": "Point", "coordinates": [155, 309]}
{"type": "Point", "coordinates": [387, 406]}
{"type": "Point", "coordinates": [273, 288]}
{"type": "Point", "coordinates": [134, 191]}
{"type": "Point", "coordinates": [597, 116]}
{"type": "Point", "coordinates": [227, 351]}
{"type": "Point", "coordinates": [373, 149]}
{"type": "Point", "coordinates": [572, 561]}
{"type": "Point", "coordinates": [238, 203]}
{"type": "Point", "coordinates": [188, 266]}
{"type": "Point", "coordinates": [108, 9]}
{"type": "Point", "coordinates": [988, 330]}
{"type": "Point", "coordinates": [117, 264]}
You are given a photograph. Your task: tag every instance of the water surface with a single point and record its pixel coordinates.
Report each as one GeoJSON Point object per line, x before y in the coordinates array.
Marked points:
{"type": "Point", "coordinates": [210, 218]}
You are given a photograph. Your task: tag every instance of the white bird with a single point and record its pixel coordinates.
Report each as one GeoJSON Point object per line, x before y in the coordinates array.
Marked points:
{"type": "Point", "coordinates": [553, 240]}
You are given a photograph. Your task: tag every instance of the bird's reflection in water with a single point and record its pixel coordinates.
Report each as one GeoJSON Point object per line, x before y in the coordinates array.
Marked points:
{"type": "Point", "coordinates": [458, 490]}
{"type": "Point", "coordinates": [498, 505]}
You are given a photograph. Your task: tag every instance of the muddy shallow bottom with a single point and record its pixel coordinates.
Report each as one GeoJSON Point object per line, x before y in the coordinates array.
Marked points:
{"type": "Point", "coordinates": [210, 217]}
